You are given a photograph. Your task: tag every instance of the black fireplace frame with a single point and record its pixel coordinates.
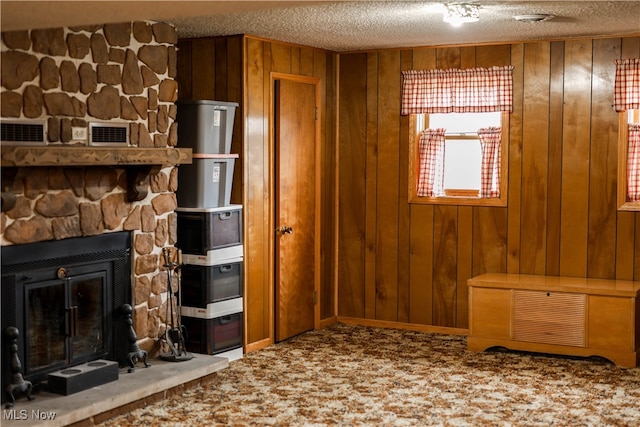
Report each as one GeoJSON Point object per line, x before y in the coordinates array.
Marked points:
{"type": "Point", "coordinates": [18, 263]}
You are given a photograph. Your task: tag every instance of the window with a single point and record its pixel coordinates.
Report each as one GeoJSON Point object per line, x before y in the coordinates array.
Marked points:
{"type": "Point", "coordinates": [459, 121]}
{"type": "Point", "coordinates": [463, 150]}
{"type": "Point", "coordinates": [626, 97]}
{"type": "Point", "coordinates": [459, 170]}
{"type": "Point", "coordinates": [629, 160]}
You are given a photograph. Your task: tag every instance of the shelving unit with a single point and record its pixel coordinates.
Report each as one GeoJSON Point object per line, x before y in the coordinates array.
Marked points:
{"type": "Point", "coordinates": [210, 232]}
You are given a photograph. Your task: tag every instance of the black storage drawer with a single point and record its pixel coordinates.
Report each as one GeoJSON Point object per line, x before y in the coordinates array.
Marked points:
{"type": "Point", "coordinates": [201, 230]}
{"type": "Point", "coordinates": [212, 336]}
{"type": "Point", "coordinates": [202, 285]}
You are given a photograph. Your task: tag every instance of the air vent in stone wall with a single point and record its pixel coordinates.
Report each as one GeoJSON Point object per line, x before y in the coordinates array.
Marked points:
{"type": "Point", "coordinates": [114, 134]}
{"type": "Point", "coordinates": [22, 132]}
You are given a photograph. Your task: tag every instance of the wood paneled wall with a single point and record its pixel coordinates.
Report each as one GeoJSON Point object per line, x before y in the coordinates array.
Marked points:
{"type": "Point", "coordinates": [212, 69]}
{"type": "Point", "coordinates": [263, 57]}
{"type": "Point", "coordinates": [409, 263]}
{"type": "Point", "coordinates": [238, 69]}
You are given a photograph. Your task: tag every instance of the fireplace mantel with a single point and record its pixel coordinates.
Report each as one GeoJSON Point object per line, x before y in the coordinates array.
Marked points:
{"type": "Point", "coordinates": [93, 156]}
{"type": "Point", "coordinates": [139, 162]}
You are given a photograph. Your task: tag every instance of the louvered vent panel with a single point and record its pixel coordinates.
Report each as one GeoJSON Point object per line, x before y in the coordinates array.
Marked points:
{"type": "Point", "coordinates": [21, 133]}
{"type": "Point", "coordinates": [549, 318]}
{"type": "Point", "coordinates": [109, 134]}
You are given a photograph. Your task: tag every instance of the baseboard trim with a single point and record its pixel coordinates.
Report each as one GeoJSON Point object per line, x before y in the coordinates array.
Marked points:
{"type": "Point", "coordinates": [325, 323]}
{"type": "Point", "coordinates": [258, 345]}
{"type": "Point", "coordinates": [401, 325]}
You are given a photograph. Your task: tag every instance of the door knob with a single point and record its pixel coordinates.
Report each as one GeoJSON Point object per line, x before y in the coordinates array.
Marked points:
{"type": "Point", "coordinates": [284, 230]}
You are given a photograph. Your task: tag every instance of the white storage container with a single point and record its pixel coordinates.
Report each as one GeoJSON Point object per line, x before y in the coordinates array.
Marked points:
{"type": "Point", "coordinates": [214, 309]}
{"type": "Point", "coordinates": [214, 256]}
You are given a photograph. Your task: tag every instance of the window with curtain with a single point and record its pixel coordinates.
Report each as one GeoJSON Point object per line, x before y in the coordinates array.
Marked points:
{"type": "Point", "coordinates": [626, 101]}
{"type": "Point", "coordinates": [460, 120]}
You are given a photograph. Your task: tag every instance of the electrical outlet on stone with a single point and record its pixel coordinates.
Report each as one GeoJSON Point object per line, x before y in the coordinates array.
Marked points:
{"type": "Point", "coordinates": [79, 134]}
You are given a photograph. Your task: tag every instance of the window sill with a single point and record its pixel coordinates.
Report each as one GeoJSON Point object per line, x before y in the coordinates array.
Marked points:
{"type": "Point", "coordinates": [462, 201]}
{"type": "Point", "coordinates": [630, 207]}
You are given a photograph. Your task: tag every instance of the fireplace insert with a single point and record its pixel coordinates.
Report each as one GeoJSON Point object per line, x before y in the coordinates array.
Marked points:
{"type": "Point", "coordinates": [64, 297]}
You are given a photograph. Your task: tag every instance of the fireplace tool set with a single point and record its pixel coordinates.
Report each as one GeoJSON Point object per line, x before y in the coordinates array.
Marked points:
{"type": "Point", "coordinates": [175, 333]}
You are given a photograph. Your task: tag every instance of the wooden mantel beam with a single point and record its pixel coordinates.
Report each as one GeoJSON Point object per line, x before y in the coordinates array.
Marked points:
{"type": "Point", "coordinates": [20, 156]}
{"type": "Point", "coordinates": [138, 162]}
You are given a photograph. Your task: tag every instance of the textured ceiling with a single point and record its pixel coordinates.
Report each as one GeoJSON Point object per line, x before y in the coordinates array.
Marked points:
{"type": "Point", "coordinates": [342, 25]}
{"type": "Point", "coordinates": [364, 25]}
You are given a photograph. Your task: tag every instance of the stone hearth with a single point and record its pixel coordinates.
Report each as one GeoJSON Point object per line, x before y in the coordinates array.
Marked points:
{"type": "Point", "coordinates": [130, 391]}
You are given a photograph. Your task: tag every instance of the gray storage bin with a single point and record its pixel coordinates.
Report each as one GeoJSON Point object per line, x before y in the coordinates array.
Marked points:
{"type": "Point", "coordinates": [206, 183]}
{"type": "Point", "coordinates": [206, 126]}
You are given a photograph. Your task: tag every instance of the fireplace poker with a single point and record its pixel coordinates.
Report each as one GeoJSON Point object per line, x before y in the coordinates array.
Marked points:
{"type": "Point", "coordinates": [174, 332]}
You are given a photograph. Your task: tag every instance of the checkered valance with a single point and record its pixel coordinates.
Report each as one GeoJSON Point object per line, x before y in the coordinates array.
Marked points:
{"type": "Point", "coordinates": [472, 90]}
{"type": "Point", "coordinates": [626, 92]}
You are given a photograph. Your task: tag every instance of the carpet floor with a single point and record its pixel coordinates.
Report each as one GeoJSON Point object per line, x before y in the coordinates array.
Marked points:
{"type": "Point", "coordinates": [356, 375]}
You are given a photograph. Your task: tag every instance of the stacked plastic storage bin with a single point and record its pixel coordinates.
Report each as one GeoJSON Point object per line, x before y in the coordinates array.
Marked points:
{"type": "Point", "coordinates": [210, 231]}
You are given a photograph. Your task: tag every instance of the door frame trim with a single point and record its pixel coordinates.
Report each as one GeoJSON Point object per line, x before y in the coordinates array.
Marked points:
{"type": "Point", "coordinates": [316, 81]}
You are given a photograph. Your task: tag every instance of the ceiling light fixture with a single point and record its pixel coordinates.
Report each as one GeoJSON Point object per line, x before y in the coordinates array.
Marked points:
{"type": "Point", "coordinates": [457, 14]}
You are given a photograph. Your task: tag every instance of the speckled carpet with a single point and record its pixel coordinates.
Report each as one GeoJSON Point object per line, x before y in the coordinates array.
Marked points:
{"type": "Point", "coordinates": [355, 375]}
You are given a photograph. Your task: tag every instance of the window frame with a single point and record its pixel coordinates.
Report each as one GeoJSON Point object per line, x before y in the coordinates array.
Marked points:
{"type": "Point", "coordinates": [417, 123]}
{"type": "Point", "coordinates": [623, 146]}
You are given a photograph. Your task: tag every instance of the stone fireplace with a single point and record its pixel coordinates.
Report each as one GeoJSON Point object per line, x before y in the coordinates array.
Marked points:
{"type": "Point", "coordinates": [65, 298]}
{"type": "Point", "coordinates": [66, 188]}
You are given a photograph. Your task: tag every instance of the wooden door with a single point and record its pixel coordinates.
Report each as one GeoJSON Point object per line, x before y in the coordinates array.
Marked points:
{"type": "Point", "coordinates": [295, 207]}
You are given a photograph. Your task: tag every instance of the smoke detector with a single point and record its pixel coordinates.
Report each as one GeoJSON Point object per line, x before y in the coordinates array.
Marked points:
{"type": "Point", "coordinates": [533, 18]}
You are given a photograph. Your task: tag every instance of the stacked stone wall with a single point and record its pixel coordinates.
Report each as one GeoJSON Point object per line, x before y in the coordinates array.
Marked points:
{"type": "Point", "coordinates": [69, 77]}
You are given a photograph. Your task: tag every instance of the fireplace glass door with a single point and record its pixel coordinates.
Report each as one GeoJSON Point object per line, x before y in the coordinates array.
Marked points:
{"type": "Point", "coordinates": [45, 305]}
{"type": "Point", "coordinates": [65, 321]}
{"type": "Point", "coordinates": [87, 305]}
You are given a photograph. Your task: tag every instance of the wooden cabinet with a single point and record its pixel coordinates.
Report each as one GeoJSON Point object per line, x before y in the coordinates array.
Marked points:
{"type": "Point", "coordinates": [560, 315]}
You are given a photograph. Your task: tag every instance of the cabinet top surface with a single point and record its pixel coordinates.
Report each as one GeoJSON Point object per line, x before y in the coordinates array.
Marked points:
{"type": "Point", "coordinates": [626, 288]}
